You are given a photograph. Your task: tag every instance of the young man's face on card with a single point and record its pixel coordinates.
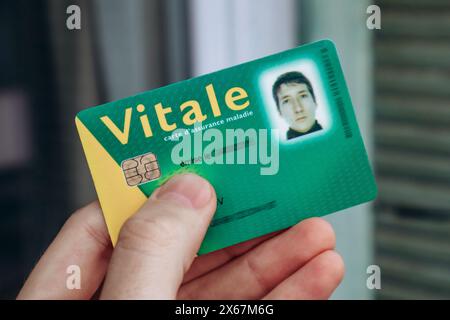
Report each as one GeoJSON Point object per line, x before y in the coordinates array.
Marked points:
{"type": "Point", "coordinates": [297, 106]}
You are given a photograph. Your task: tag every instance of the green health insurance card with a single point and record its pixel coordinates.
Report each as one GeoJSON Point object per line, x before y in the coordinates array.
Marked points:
{"type": "Point", "coordinates": [276, 137]}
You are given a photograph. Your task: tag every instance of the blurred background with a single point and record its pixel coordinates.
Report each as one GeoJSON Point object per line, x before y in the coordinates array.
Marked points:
{"type": "Point", "coordinates": [398, 76]}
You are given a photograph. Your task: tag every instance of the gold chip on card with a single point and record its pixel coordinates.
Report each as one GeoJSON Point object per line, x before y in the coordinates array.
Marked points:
{"type": "Point", "coordinates": [141, 169]}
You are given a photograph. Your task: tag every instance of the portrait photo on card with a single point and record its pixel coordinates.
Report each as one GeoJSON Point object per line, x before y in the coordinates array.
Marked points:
{"type": "Point", "coordinates": [295, 102]}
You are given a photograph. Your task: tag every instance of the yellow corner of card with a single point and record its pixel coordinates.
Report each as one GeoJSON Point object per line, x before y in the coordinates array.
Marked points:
{"type": "Point", "coordinates": [118, 201]}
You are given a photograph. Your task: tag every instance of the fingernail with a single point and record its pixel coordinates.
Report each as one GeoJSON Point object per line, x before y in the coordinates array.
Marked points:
{"type": "Point", "coordinates": [187, 190]}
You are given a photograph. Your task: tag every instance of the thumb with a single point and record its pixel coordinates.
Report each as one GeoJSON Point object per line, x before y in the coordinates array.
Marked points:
{"type": "Point", "coordinates": [157, 245]}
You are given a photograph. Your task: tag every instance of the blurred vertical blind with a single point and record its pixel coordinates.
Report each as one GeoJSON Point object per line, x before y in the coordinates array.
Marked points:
{"type": "Point", "coordinates": [412, 140]}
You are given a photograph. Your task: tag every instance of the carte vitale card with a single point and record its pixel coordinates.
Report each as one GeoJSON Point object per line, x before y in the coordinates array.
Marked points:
{"type": "Point", "coordinates": [277, 138]}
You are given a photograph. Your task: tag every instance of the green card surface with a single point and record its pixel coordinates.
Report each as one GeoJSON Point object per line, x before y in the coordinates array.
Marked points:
{"type": "Point", "coordinates": [276, 137]}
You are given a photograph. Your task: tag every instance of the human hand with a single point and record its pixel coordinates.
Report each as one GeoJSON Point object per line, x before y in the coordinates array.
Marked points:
{"type": "Point", "coordinates": [155, 256]}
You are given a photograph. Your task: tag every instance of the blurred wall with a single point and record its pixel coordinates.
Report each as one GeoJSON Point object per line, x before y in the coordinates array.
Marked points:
{"type": "Point", "coordinates": [344, 22]}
